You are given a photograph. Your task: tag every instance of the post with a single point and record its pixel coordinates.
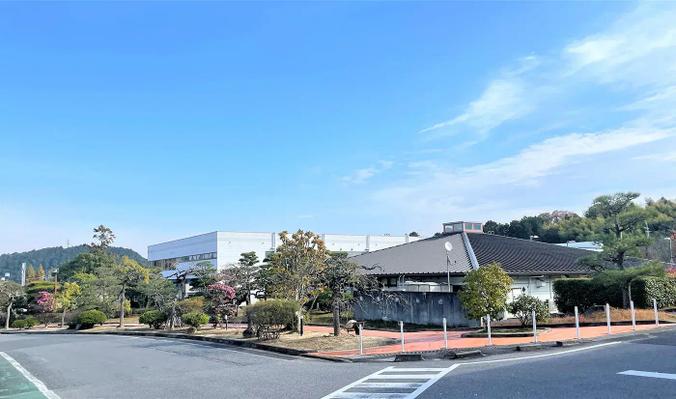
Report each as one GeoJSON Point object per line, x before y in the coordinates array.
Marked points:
{"type": "Point", "coordinates": [535, 328]}
{"type": "Point", "coordinates": [577, 324]}
{"type": "Point", "coordinates": [657, 315]}
{"type": "Point", "coordinates": [401, 332]}
{"type": "Point", "coordinates": [361, 339]}
{"type": "Point", "coordinates": [488, 325]}
{"type": "Point", "coordinates": [608, 317]}
{"type": "Point", "coordinates": [445, 334]}
{"type": "Point", "coordinates": [633, 315]}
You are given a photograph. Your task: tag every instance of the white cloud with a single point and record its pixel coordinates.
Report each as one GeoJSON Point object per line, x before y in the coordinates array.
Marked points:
{"type": "Point", "coordinates": [503, 100]}
{"type": "Point", "coordinates": [361, 176]}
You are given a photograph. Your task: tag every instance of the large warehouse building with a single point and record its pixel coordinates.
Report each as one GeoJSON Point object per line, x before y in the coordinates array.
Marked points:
{"type": "Point", "coordinates": [223, 248]}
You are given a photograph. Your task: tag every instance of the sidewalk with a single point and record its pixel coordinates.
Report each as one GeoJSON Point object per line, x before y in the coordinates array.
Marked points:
{"type": "Point", "coordinates": [434, 340]}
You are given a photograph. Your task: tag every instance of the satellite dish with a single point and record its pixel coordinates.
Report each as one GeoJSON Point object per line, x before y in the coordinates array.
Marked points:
{"type": "Point", "coordinates": [448, 246]}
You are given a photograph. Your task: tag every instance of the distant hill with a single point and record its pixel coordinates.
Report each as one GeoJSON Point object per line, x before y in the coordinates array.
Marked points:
{"type": "Point", "coordinates": [52, 257]}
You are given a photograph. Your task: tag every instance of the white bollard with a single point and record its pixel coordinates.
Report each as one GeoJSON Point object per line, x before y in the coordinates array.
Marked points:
{"type": "Point", "coordinates": [361, 340]}
{"type": "Point", "coordinates": [488, 325]}
{"type": "Point", "coordinates": [657, 315]}
{"type": "Point", "coordinates": [608, 317]}
{"type": "Point", "coordinates": [577, 324]}
{"type": "Point", "coordinates": [445, 335]}
{"type": "Point", "coordinates": [401, 331]}
{"type": "Point", "coordinates": [633, 315]}
{"type": "Point", "coordinates": [535, 327]}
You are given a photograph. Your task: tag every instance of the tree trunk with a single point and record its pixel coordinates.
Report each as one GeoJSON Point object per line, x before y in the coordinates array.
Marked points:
{"type": "Point", "coordinates": [63, 317]}
{"type": "Point", "coordinates": [9, 311]}
{"type": "Point", "coordinates": [336, 314]}
{"type": "Point", "coordinates": [122, 307]}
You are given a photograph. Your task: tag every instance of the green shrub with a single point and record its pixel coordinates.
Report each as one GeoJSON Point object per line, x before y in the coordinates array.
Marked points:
{"type": "Point", "coordinates": [26, 323]}
{"type": "Point", "coordinates": [523, 307]}
{"type": "Point", "coordinates": [663, 289]}
{"type": "Point", "coordinates": [195, 319]}
{"type": "Point", "coordinates": [192, 304]}
{"type": "Point", "coordinates": [270, 317]}
{"type": "Point", "coordinates": [153, 318]}
{"type": "Point", "coordinates": [21, 324]}
{"type": "Point", "coordinates": [89, 318]}
{"type": "Point", "coordinates": [571, 292]}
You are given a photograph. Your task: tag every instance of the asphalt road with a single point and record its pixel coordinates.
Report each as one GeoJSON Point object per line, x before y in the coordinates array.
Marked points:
{"type": "Point", "coordinates": [85, 366]}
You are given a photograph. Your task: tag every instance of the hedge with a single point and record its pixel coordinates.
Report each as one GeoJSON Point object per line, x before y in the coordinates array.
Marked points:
{"type": "Point", "coordinates": [195, 319]}
{"type": "Point", "coordinates": [586, 292]}
{"type": "Point", "coordinates": [663, 289]}
{"type": "Point", "coordinates": [26, 323]}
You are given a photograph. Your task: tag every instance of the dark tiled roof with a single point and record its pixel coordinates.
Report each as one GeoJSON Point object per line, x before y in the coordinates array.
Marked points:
{"type": "Point", "coordinates": [426, 256]}
{"type": "Point", "coordinates": [519, 256]}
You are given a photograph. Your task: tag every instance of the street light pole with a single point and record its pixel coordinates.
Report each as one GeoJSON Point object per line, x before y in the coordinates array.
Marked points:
{"type": "Point", "coordinates": [449, 247]}
{"type": "Point", "coordinates": [671, 250]}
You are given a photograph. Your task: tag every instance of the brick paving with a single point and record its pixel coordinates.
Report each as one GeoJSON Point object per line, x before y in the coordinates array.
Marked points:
{"type": "Point", "coordinates": [434, 340]}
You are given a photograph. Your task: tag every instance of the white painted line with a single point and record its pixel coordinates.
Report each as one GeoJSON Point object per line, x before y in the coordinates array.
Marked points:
{"type": "Point", "coordinates": [649, 374]}
{"type": "Point", "coordinates": [432, 375]}
{"type": "Point", "coordinates": [513, 359]}
{"type": "Point", "coordinates": [38, 384]}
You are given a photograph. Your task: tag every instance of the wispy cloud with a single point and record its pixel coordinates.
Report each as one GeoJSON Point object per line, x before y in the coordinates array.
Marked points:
{"type": "Point", "coordinates": [361, 176]}
{"type": "Point", "coordinates": [627, 73]}
{"type": "Point", "coordinates": [503, 100]}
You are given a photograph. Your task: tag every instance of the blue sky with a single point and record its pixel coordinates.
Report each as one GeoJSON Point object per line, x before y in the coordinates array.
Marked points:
{"type": "Point", "coordinates": [163, 120]}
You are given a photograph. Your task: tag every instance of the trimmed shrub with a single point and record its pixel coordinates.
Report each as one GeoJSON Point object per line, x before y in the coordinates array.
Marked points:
{"type": "Point", "coordinates": [195, 319]}
{"type": "Point", "coordinates": [89, 318]}
{"type": "Point", "coordinates": [663, 289]}
{"type": "Point", "coordinates": [26, 323]}
{"type": "Point", "coordinates": [21, 324]}
{"type": "Point", "coordinates": [270, 317]}
{"type": "Point", "coordinates": [571, 292]}
{"type": "Point", "coordinates": [153, 318]}
{"type": "Point", "coordinates": [523, 307]}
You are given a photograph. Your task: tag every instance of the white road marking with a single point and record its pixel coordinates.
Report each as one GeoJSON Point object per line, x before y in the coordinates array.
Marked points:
{"type": "Point", "coordinates": [649, 374]}
{"type": "Point", "coordinates": [409, 383]}
{"type": "Point", "coordinates": [49, 394]}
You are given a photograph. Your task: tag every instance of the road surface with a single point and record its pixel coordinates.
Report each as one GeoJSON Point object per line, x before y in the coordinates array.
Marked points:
{"type": "Point", "coordinates": [87, 366]}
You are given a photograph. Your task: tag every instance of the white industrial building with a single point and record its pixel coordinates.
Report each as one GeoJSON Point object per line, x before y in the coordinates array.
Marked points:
{"type": "Point", "coordinates": [223, 248]}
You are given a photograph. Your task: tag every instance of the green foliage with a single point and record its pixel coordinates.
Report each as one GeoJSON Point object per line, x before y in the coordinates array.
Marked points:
{"type": "Point", "coordinates": [271, 316]}
{"type": "Point", "coordinates": [571, 292]}
{"type": "Point", "coordinates": [27, 323]}
{"type": "Point", "coordinates": [90, 317]}
{"type": "Point", "coordinates": [195, 319]}
{"type": "Point", "coordinates": [523, 308]}
{"type": "Point", "coordinates": [485, 291]}
{"type": "Point", "coordinates": [67, 296]}
{"type": "Point", "coordinates": [294, 270]}
{"type": "Point", "coordinates": [663, 289]}
{"type": "Point", "coordinates": [608, 286]}
{"type": "Point", "coordinates": [153, 318]}
{"type": "Point", "coordinates": [194, 304]}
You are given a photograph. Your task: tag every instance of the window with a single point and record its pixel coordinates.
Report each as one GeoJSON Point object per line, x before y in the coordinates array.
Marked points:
{"type": "Point", "coordinates": [468, 226]}
{"type": "Point", "coordinates": [477, 226]}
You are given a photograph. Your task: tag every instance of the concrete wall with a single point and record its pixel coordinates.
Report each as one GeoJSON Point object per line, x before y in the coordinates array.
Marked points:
{"type": "Point", "coordinates": [414, 308]}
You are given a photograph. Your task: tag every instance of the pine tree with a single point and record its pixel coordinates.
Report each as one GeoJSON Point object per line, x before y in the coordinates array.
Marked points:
{"type": "Point", "coordinates": [41, 273]}
{"type": "Point", "coordinates": [30, 273]}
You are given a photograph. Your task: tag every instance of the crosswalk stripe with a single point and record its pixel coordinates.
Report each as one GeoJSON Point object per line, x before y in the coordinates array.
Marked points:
{"type": "Point", "coordinates": [392, 383]}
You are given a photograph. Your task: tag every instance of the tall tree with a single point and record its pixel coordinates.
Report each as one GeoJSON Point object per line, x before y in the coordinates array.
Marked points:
{"type": "Point", "coordinates": [339, 275]}
{"type": "Point", "coordinates": [103, 238]}
{"type": "Point", "coordinates": [245, 274]}
{"type": "Point", "coordinates": [30, 273]}
{"type": "Point", "coordinates": [41, 275]}
{"type": "Point", "coordinates": [66, 299]}
{"type": "Point", "coordinates": [619, 225]}
{"type": "Point", "coordinates": [10, 292]}
{"type": "Point", "coordinates": [297, 264]}
{"type": "Point", "coordinates": [129, 274]}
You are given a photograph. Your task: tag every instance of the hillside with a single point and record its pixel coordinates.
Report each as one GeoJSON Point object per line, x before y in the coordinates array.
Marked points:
{"type": "Point", "coordinates": [53, 257]}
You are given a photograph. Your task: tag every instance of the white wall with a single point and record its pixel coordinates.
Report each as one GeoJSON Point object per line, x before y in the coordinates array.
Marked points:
{"type": "Point", "coordinates": [230, 245]}
{"type": "Point", "coordinates": [200, 244]}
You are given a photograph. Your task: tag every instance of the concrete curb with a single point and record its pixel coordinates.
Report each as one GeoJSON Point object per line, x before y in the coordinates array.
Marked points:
{"type": "Point", "coordinates": [224, 341]}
